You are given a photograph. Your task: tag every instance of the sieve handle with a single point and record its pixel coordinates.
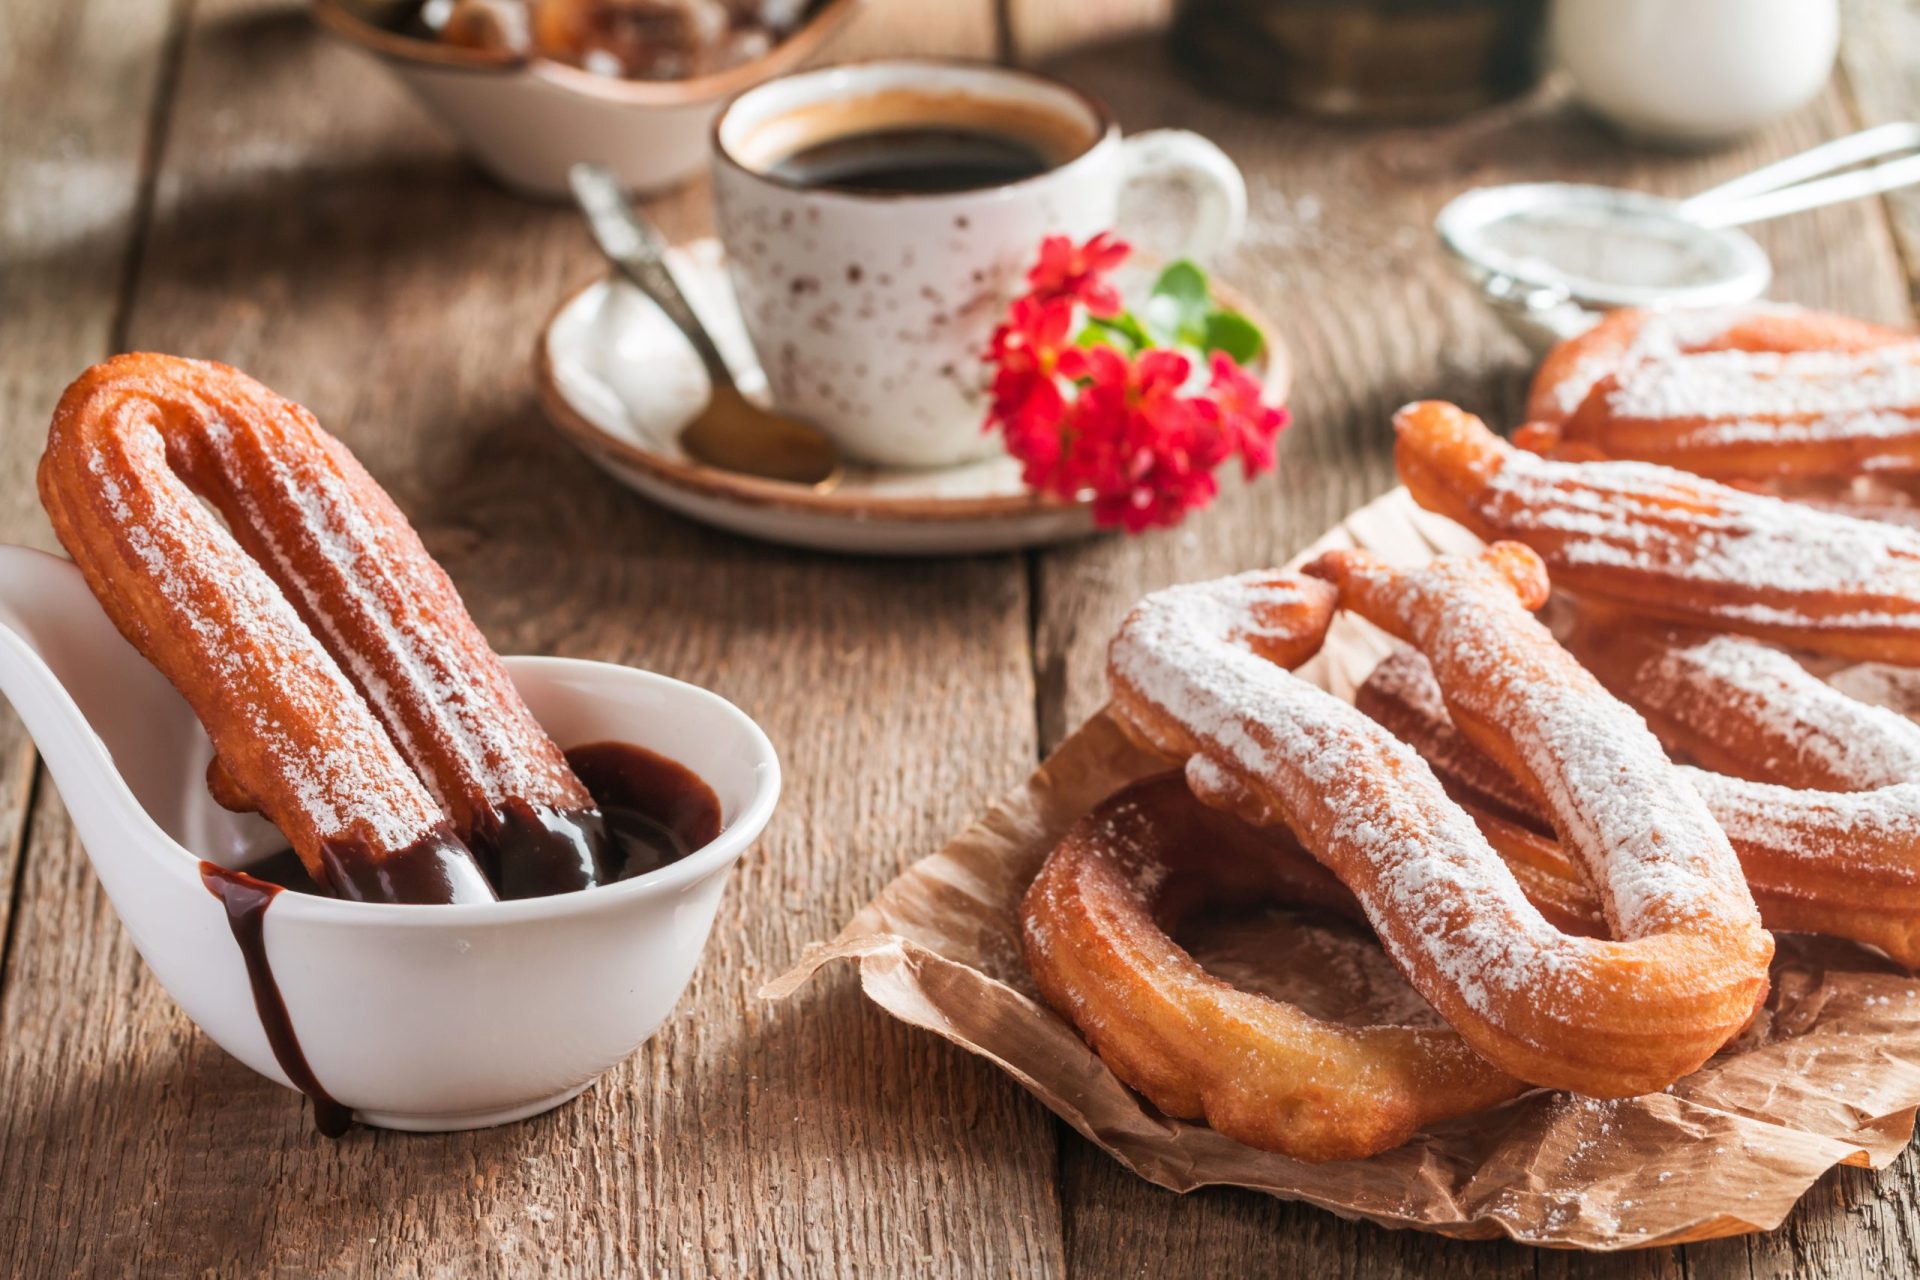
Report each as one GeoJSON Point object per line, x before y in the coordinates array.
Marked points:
{"type": "Point", "coordinates": [1820, 176]}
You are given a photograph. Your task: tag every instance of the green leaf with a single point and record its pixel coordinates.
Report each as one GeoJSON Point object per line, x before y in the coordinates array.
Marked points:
{"type": "Point", "coordinates": [1180, 304]}
{"type": "Point", "coordinates": [1233, 333]}
{"type": "Point", "coordinates": [1101, 329]}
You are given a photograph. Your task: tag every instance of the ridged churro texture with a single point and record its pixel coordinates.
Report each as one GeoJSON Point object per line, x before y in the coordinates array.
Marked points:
{"type": "Point", "coordinates": [1261, 1071]}
{"type": "Point", "coordinates": [1671, 545]}
{"type": "Point", "coordinates": [1198, 674]}
{"type": "Point", "coordinates": [1629, 339]}
{"type": "Point", "coordinates": [1836, 851]}
{"type": "Point", "coordinates": [348, 693]}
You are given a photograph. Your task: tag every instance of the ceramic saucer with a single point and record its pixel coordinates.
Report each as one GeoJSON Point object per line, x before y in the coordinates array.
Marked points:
{"type": "Point", "coordinates": [618, 381]}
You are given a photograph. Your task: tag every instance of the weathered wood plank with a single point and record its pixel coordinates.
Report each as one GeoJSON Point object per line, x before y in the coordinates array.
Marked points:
{"type": "Point", "coordinates": [895, 28]}
{"type": "Point", "coordinates": [1877, 39]}
{"type": "Point", "coordinates": [310, 227]}
{"type": "Point", "coordinates": [1340, 253]}
{"type": "Point", "coordinates": [1042, 29]}
{"type": "Point", "coordinates": [70, 170]}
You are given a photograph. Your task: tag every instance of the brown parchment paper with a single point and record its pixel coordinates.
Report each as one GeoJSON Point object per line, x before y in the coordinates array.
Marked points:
{"type": "Point", "coordinates": [1828, 1074]}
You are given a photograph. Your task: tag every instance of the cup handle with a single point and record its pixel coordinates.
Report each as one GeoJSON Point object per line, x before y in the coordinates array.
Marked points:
{"type": "Point", "coordinates": [1178, 155]}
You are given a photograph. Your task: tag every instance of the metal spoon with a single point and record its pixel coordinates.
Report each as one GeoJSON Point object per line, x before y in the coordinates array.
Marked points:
{"type": "Point", "coordinates": [731, 432]}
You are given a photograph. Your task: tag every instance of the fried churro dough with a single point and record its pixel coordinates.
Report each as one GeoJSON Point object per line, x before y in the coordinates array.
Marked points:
{"type": "Point", "coordinates": [1841, 863]}
{"type": "Point", "coordinates": [133, 442]}
{"type": "Point", "coordinates": [1667, 544]}
{"type": "Point", "coordinates": [1737, 706]}
{"type": "Point", "coordinates": [1627, 338]}
{"type": "Point", "coordinates": [1262, 1071]}
{"type": "Point", "coordinates": [1195, 675]}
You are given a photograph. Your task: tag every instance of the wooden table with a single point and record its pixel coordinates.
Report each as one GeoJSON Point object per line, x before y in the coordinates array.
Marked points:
{"type": "Point", "coordinates": [212, 177]}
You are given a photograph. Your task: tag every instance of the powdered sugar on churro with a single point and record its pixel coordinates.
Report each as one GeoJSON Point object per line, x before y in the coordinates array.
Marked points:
{"type": "Point", "coordinates": [1650, 846]}
{"type": "Point", "coordinates": [1867, 746]}
{"type": "Point", "coordinates": [361, 589]}
{"type": "Point", "coordinates": [1187, 675]}
{"type": "Point", "coordinates": [1661, 336]}
{"type": "Point", "coordinates": [1736, 556]}
{"type": "Point", "coordinates": [1735, 394]}
{"type": "Point", "coordinates": [242, 625]}
{"type": "Point", "coordinates": [1851, 852]}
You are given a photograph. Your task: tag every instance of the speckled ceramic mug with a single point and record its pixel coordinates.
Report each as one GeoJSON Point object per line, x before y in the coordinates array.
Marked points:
{"type": "Point", "coordinates": [871, 310]}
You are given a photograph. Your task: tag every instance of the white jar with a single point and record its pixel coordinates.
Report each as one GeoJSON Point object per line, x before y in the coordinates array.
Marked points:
{"type": "Point", "coordinates": [1694, 71]}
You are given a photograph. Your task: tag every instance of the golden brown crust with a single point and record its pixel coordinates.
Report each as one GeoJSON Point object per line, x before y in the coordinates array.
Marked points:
{"type": "Point", "coordinates": [1194, 676]}
{"type": "Point", "coordinates": [1261, 1071]}
{"type": "Point", "coordinates": [284, 720]}
{"type": "Point", "coordinates": [1846, 865]}
{"type": "Point", "coordinates": [1666, 544]}
{"type": "Point", "coordinates": [280, 627]}
{"type": "Point", "coordinates": [1568, 376]}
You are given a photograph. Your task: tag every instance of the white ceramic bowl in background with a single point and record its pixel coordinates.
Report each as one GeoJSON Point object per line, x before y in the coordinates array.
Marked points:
{"type": "Point", "coordinates": [416, 1017]}
{"type": "Point", "coordinates": [527, 121]}
{"type": "Point", "coordinates": [1694, 72]}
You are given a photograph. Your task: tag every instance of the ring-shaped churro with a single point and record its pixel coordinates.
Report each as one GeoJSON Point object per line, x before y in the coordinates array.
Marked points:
{"type": "Point", "coordinates": [1196, 674]}
{"type": "Point", "coordinates": [1262, 1071]}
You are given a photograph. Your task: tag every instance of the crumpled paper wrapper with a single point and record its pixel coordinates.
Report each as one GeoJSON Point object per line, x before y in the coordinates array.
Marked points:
{"type": "Point", "coordinates": [1829, 1072]}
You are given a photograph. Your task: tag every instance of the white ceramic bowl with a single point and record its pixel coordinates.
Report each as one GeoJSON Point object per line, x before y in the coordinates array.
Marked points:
{"type": "Point", "coordinates": [416, 1017]}
{"type": "Point", "coordinates": [527, 121]}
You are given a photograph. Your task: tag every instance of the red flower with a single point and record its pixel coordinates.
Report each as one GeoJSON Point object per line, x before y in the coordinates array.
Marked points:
{"type": "Point", "coordinates": [1025, 352]}
{"type": "Point", "coordinates": [1249, 424]}
{"type": "Point", "coordinates": [1130, 434]}
{"type": "Point", "coordinates": [1071, 271]}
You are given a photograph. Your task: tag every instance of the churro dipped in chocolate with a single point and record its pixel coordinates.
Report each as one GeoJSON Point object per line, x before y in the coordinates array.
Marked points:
{"type": "Point", "coordinates": [349, 696]}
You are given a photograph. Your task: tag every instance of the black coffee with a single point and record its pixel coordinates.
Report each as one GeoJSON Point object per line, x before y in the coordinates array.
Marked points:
{"type": "Point", "coordinates": [928, 159]}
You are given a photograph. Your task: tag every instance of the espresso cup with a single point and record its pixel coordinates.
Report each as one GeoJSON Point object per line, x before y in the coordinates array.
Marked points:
{"type": "Point", "coordinates": [879, 217]}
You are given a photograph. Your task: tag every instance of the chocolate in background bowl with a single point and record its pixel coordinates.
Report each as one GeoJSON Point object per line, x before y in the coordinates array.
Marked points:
{"type": "Point", "coordinates": [526, 121]}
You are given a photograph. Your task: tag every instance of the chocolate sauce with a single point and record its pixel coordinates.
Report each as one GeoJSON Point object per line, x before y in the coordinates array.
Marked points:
{"type": "Point", "coordinates": [652, 812]}
{"type": "Point", "coordinates": [655, 810]}
{"type": "Point", "coordinates": [246, 900]}
{"type": "Point", "coordinates": [535, 851]}
{"type": "Point", "coordinates": [649, 812]}
{"type": "Point", "coordinates": [435, 869]}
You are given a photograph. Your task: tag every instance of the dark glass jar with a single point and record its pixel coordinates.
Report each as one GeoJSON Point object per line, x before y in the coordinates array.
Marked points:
{"type": "Point", "coordinates": [1370, 59]}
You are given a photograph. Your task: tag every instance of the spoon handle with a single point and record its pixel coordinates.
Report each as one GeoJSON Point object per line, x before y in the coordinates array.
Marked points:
{"type": "Point", "coordinates": [638, 251]}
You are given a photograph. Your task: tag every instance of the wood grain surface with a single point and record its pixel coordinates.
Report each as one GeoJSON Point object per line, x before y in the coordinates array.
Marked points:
{"type": "Point", "coordinates": [73, 178]}
{"type": "Point", "coordinates": [213, 178]}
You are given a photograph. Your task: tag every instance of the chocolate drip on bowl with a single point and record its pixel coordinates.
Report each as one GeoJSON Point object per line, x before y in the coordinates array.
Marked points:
{"type": "Point", "coordinates": [246, 900]}
{"type": "Point", "coordinates": [647, 812]}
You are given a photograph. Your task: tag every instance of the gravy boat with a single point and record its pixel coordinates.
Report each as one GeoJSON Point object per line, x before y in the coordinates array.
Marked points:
{"type": "Point", "coordinates": [416, 1017]}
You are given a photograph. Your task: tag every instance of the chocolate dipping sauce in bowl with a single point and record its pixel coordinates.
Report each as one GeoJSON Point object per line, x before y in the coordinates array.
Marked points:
{"type": "Point", "coordinates": [422, 1017]}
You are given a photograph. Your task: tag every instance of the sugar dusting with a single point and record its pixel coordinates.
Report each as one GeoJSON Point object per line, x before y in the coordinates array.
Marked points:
{"type": "Point", "coordinates": [415, 664]}
{"type": "Point", "coordinates": [1737, 556]}
{"type": "Point", "coordinates": [1661, 336]}
{"type": "Point", "coordinates": [274, 677]}
{"type": "Point", "coordinates": [1442, 901]}
{"type": "Point", "coordinates": [1724, 396]}
{"type": "Point", "coordinates": [1862, 838]}
{"type": "Point", "coordinates": [1649, 845]}
{"type": "Point", "coordinates": [1869, 746]}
